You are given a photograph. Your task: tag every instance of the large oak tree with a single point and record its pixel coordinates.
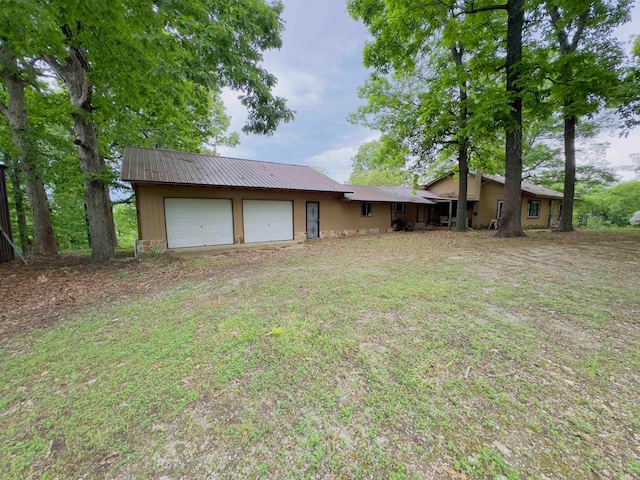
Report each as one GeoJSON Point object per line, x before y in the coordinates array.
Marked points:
{"type": "Point", "coordinates": [116, 55]}
{"type": "Point", "coordinates": [16, 76]}
{"type": "Point", "coordinates": [583, 64]}
{"type": "Point", "coordinates": [407, 31]}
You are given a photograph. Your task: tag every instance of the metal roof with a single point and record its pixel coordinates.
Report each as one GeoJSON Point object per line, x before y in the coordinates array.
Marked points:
{"type": "Point", "coordinates": [387, 194]}
{"type": "Point", "coordinates": [411, 192]}
{"type": "Point", "coordinates": [169, 167]}
{"type": "Point", "coordinates": [528, 187]}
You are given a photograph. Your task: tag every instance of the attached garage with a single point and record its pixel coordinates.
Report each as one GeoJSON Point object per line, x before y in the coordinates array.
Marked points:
{"type": "Point", "coordinates": [267, 220]}
{"type": "Point", "coordinates": [198, 222]}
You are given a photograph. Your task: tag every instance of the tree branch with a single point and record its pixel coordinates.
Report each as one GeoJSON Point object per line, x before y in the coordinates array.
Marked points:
{"type": "Point", "coordinates": [560, 33]}
{"type": "Point", "coordinates": [582, 21]}
{"type": "Point", "coordinates": [128, 200]}
{"type": "Point", "coordinates": [53, 63]}
{"type": "Point", "coordinates": [486, 8]}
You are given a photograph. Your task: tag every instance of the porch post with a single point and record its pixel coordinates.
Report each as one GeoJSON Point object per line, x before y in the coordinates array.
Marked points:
{"type": "Point", "coordinates": [450, 212]}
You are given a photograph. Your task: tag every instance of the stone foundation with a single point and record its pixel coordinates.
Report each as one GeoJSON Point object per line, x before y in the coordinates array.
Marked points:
{"type": "Point", "coordinates": [150, 246]}
{"type": "Point", "coordinates": [348, 233]}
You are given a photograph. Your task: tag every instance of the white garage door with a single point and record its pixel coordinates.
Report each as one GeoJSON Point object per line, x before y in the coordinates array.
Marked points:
{"type": "Point", "coordinates": [196, 222]}
{"type": "Point", "coordinates": [267, 220]}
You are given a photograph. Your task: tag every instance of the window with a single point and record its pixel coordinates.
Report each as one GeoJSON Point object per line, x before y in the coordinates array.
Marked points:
{"type": "Point", "coordinates": [367, 211]}
{"type": "Point", "coordinates": [500, 204]}
{"type": "Point", "coordinates": [534, 209]}
{"type": "Point", "coordinates": [560, 210]}
{"type": "Point", "coordinates": [398, 207]}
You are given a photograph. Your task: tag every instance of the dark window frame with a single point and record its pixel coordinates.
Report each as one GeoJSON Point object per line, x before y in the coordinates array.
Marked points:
{"type": "Point", "coordinates": [531, 203]}
{"type": "Point", "coordinates": [366, 209]}
{"type": "Point", "coordinates": [398, 210]}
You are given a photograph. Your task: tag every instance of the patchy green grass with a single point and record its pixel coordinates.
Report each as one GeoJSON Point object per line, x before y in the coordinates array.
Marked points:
{"type": "Point", "coordinates": [419, 355]}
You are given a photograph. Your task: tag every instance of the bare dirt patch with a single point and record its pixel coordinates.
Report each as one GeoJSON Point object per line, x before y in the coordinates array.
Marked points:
{"type": "Point", "coordinates": [39, 294]}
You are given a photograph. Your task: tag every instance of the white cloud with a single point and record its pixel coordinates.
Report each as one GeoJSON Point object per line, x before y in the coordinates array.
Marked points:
{"type": "Point", "coordinates": [301, 89]}
{"type": "Point", "coordinates": [234, 109]}
{"type": "Point", "coordinates": [337, 161]}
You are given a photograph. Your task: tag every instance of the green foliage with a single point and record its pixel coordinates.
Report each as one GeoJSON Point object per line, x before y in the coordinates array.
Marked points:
{"type": "Point", "coordinates": [581, 63]}
{"type": "Point", "coordinates": [418, 96]}
{"type": "Point", "coordinates": [125, 218]}
{"type": "Point", "coordinates": [377, 163]}
{"type": "Point", "coordinates": [592, 170]}
{"type": "Point", "coordinates": [609, 206]}
{"type": "Point", "coordinates": [157, 70]}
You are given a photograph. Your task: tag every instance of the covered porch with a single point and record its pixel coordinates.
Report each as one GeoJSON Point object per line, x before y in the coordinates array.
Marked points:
{"type": "Point", "coordinates": [443, 213]}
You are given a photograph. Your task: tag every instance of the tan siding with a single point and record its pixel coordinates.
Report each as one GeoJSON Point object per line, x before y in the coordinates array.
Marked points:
{"type": "Point", "coordinates": [338, 215]}
{"type": "Point", "coordinates": [335, 214]}
{"type": "Point", "coordinates": [410, 214]}
{"type": "Point", "coordinates": [445, 187]}
{"type": "Point", "coordinates": [449, 187]}
{"type": "Point", "coordinates": [543, 219]}
{"type": "Point", "coordinates": [491, 193]}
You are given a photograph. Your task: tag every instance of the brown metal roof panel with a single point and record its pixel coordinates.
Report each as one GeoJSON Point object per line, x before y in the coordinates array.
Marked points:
{"type": "Point", "coordinates": [528, 187]}
{"type": "Point", "coordinates": [411, 195]}
{"type": "Point", "coordinates": [385, 194]}
{"type": "Point", "coordinates": [370, 194]}
{"type": "Point", "coordinates": [150, 165]}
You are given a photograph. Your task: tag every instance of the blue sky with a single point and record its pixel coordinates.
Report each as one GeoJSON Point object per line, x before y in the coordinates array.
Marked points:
{"type": "Point", "coordinates": [319, 70]}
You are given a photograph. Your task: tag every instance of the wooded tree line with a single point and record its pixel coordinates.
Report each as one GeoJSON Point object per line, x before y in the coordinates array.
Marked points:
{"type": "Point", "coordinates": [455, 79]}
{"type": "Point", "coordinates": [79, 80]}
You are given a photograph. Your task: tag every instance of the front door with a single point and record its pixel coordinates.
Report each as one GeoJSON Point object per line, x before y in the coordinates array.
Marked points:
{"type": "Point", "coordinates": [313, 220]}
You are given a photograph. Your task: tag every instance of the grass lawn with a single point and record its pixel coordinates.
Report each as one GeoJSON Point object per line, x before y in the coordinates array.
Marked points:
{"type": "Point", "coordinates": [409, 355]}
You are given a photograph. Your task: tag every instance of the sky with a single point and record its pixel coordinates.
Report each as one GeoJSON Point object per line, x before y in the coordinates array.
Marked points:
{"type": "Point", "coordinates": [319, 70]}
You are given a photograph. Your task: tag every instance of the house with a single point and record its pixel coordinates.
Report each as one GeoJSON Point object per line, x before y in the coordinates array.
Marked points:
{"type": "Point", "coordinates": [193, 200]}
{"type": "Point", "coordinates": [541, 206]}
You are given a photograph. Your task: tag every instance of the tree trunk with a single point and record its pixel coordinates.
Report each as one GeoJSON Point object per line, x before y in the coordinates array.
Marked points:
{"type": "Point", "coordinates": [96, 189]}
{"type": "Point", "coordinates": [566, 219]}
{"type": "Point", "coordinates": [16, 113]}
{"type": "Point", "coordinates": [511, 221]}
{"type": "Point", "coordinates": [457, 52]}
{"type": "Point", "coordinates": [567, 48]}
{"type": "Point", "coordinates": [463, 168]}
{"type": "Point", "coordinates": [18, 202]}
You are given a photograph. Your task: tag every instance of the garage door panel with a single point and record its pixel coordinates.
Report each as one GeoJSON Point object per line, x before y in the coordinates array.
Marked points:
{"type": "Point", "coordinates": [267, 220]}
{"type": "Point", "coordinates": [198, 222]}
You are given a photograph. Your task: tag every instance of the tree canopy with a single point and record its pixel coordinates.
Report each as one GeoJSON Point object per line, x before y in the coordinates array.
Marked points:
{"type": "Point", "coordinates": [454, 79]}
{"type": "Point", "coordinates": [378, 164]}
{"type": "Point", "coordinates": [141, 72]}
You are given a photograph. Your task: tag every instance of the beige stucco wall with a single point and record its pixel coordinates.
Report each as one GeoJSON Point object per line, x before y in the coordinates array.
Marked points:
{"type": "Point", "coordinates": [449, 187]}
{"type": "Point", "coordinates": [490, 194]}
{"type": "Point", "coordinates": [336, 215]}
{"type": "Point", "coordinates": [546, 205]}
{"type": "Point", "coordinates": [493, 192]}
{"type": "Point", "coordinates": [416, 214]}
